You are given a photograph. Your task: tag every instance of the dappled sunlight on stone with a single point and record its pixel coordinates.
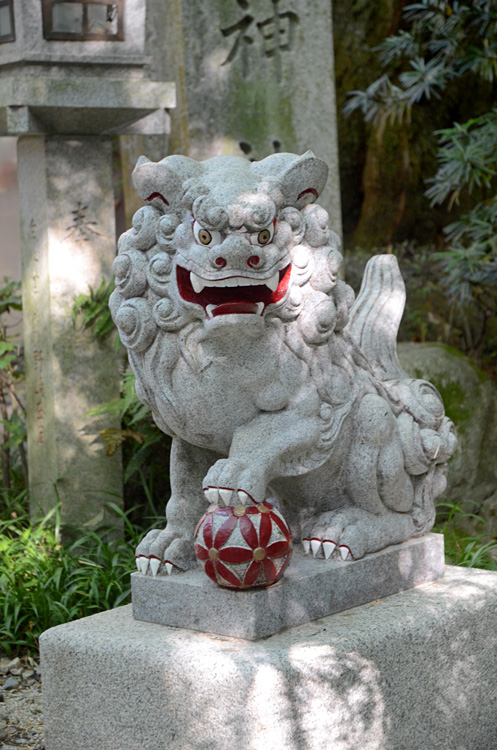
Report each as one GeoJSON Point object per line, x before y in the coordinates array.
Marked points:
{"type": "Point", "coordinates": [351, 684]}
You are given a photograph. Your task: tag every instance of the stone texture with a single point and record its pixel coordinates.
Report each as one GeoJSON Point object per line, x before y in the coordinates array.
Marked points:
{"type": "Point", "coordinates": [310, 589]}
{"type": "Point", "coordinates": [252, 78]}
{"type": "Point", "coordinates": [78, 105]}
{"type": "Point", "coordinates": [31, 48]}
{"type": "Point", "coordinates": [470, 399]}
{"type": "Point", "coordinates": [414, 670]}
{"type": "Point", "coordinates": [67, 240]}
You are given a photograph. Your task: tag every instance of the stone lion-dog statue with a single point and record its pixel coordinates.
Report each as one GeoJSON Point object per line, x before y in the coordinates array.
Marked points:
{"type": "Point", "coordinates": [273, 382]}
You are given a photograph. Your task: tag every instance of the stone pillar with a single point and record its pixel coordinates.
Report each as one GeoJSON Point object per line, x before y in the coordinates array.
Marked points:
{"type": "Point", "coordinates": [67, 245]}
{"type": "Point", "coordinates": [252, 76]}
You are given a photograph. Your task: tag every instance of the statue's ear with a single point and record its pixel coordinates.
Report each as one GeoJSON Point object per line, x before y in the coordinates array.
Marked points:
{"type": "Point", "coordinates": [161, 183]}
{"type": "Point", "coordinates": [304, 180]}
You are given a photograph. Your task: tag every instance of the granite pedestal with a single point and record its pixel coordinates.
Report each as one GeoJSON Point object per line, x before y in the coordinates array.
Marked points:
{"type": "Point", "coordinates": [310, 588]}
{"type": "Point", "coordinates": [417, 669]}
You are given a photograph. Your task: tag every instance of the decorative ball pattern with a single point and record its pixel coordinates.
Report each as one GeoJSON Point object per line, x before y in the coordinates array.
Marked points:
{"type": "Point", "coordinates": [243, 547]}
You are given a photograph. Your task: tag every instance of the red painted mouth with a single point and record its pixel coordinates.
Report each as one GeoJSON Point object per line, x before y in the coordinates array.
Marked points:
{"type": "Point", "coordinates": [232, 300]}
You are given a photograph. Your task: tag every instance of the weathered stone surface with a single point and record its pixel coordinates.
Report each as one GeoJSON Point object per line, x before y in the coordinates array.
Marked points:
{"type": "Point", "coordinates": [30, 47]}
{"type": "Point", "coordinates": [311, 589]}
{"type": "Point", "coordinates": [252, 354]}
{"type": "Point", "coordinates": [470, 399]}
{"type": "Point", "coordinates": [67, 240]}
{"type": "Point", "coordinates": [414, 670]}
{"type": "Point", "coordinates": [253, 78]}
{"type": "Point", "coordinates": [88, 105]}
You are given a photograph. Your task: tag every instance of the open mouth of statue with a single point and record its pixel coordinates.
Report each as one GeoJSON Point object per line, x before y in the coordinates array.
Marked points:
{"type": "Point", "coordinates": [234, 295]}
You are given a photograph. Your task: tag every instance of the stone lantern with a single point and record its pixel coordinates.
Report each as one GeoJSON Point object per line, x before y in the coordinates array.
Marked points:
{"type": "Point", "coordinates": [72, 74]}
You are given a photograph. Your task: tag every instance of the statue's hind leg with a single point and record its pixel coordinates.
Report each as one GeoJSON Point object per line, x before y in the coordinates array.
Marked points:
{"type": "Point", "coordinates": [378, 488]}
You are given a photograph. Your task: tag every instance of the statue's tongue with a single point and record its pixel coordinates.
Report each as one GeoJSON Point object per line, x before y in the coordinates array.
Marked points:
{"type": "Point", "coordinates": [235, 308]}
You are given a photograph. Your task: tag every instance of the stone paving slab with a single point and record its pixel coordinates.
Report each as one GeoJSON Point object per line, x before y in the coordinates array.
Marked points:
{"type": "Point", "coordinates": [311, 588]}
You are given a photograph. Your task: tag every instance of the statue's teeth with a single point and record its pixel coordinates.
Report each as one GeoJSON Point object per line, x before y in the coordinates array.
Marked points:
{"type": "Point", "coordinates": [273, 282]}
{"type": "Point", "coordinates": [196, 282]}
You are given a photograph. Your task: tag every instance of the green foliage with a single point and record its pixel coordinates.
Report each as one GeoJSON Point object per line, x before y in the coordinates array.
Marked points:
{"type": "Point", "coordinates": [93, 309]}
{"type": "Point", "coordinates": [145, 448]}
{"type": "Point", "coordinates": [446, 41]}
{"type": "Point", "coordinates": [43, 583]}
{"type": "Point", "coordinates": [469, 540]}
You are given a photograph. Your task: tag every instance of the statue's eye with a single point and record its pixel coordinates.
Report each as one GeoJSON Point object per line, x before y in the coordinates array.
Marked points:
{"type": "Point", "coordinates": [263, 237]}
{"type": "Point", "coordinates": [205, 237]}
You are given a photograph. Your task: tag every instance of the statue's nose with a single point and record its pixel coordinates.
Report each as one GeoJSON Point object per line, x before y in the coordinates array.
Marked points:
{"type": "Point", "coordinates": [236, 252]}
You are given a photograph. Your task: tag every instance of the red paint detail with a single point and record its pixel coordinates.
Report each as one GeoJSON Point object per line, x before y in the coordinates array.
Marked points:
{"type": "Point", "coordinates": [277, 549]}
{"type": "Point", "coordinates": [154, 557]}
{"type": "Point", "coordinates": [235, 308]}
{"type": "Point", "coordinates": [285, 563]}
{"type": "Point", "coordinates": [269, 570]}
{"type": "Point", "coordinates": [267, 505]}
{"type": "Point", "coordinates": [221, 262]}
{"type": "Point", "coordinates": [208, 531]}
{"type": "Point", "coordinates": [228, 575]}
{"type": "Point", "coordinates": [235, 554]}
{"type": "Point", "coordinates": [248, 532]}
{"type": "Point", "coordinates": [330, 540]}
{"type": "Point", "coordinates": [253, 261]}
{"type": "Point", "coordinates": [224, 532]}
{"type": "Point", "coordinates": [281, 525]}
{"type": "Point", "coordinates": [156, 195]}
{"type": "Point", "coordinates": [252, 510]}
{"type": "Point", "coordinates": [265, 530]}
{"type": "Point", "coordinates": [199, 525]}
{"type": "Point", "coordinates": [200, 552]}
{"type": "Point", "coordinates": [241, 299]}
{"type": "Point", "coordinates": [252, 573]}
{"type": "Point", "coordinates": [252, 499]}
{"type": "Point", "coordinates": [210, 570]}
{"type": "Point", "coordinates": [307, 192]}
{"type": "Point", "coordinates": [171, 563]}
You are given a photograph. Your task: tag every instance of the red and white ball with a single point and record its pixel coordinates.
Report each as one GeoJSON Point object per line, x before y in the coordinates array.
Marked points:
{"type": "Point", "coordinates": [243, 547]}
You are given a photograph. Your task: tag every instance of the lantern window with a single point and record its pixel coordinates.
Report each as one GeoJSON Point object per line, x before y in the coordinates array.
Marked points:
{"type": "Point", "coordinates": [7, 29]}
{"type": "Point", "coordinates": [83, 20]}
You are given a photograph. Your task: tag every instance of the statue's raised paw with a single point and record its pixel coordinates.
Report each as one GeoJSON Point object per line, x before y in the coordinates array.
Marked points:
{"type": "Point", "coordinates": [163, 552]}
{"type": "Point", "coordinates": [231, 482]}
{"type": "Point", "coordinates": [354, 532]}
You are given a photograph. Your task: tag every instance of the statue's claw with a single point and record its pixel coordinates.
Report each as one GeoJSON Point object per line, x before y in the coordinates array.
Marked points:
{"type": "Point", "coordinates": [345, 553]}
{"type": "Point", "coordinates": [225, 495]}
{"type": "Point", "coordinates": [232, 482]}
{"type": "Point", "coordinates": [142, 564]}
{"type": "Point", "coordinates": [154, 565]}
{"type": "Point", "coordinates": [212, 494]}
{"type": "Point", "coordinates": [315, 546]}
{"type": "Point", "coordinates": [306, 544]}
{"type": "Point", "coordinates": [328, 548]}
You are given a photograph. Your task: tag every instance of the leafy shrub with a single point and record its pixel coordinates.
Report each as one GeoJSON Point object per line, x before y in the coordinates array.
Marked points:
{"type": "Point", "coordinates": [469, 540]}
{"type": "Point", "coordinates": [444, 42]}
{"type": "Point", "coordinates": [44, 583]}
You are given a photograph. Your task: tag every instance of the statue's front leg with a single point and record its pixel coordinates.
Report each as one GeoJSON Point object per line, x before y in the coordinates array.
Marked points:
{"type": "Point", "coordinates": [170, 550]}
{"type": "Point", "coordinates": [257, 456]}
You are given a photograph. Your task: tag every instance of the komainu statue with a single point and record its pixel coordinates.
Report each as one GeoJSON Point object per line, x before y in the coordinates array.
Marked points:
{"type": "Point", "coordinates": [274, 384]}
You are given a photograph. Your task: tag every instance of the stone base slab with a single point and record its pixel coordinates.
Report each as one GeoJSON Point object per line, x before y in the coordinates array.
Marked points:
{"type": "Point", "coordinates": [416, 670]}
{"type": "Point", "coordinates": [311, 588]}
